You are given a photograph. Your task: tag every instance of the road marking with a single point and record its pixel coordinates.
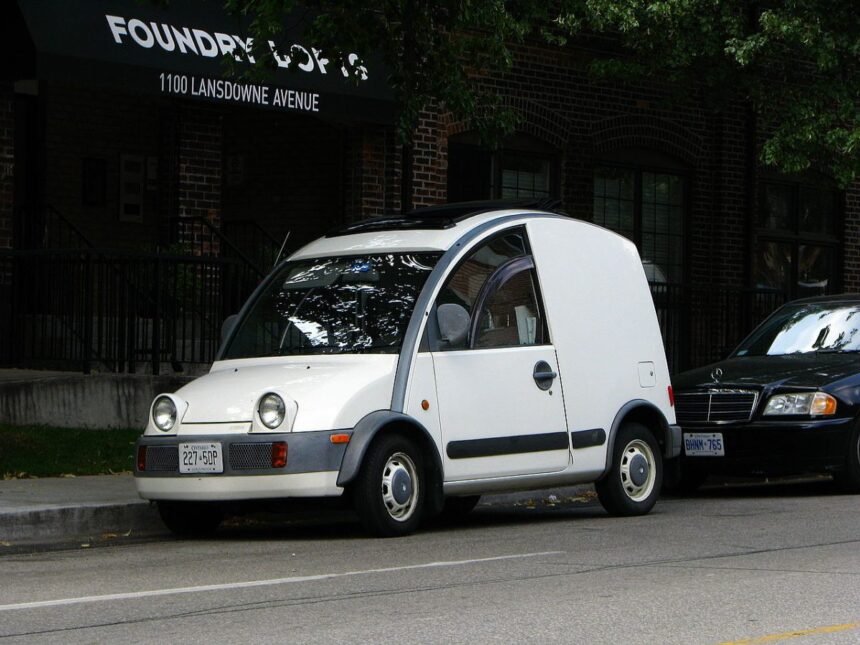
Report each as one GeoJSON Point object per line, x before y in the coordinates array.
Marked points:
{"type": "Point", "coordinates": [772, 638]}
{"type": "Point", "coordinates": [131, 595]}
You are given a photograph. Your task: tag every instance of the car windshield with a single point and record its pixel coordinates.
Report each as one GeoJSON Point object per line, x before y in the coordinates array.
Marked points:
{"type": "Point", "coordinates": [805, 329]}
{"type": "Point", "coordinates": [339, 305]}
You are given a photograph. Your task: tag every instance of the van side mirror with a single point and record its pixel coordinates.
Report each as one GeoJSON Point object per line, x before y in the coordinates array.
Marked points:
{"type": "Point", "coordinates": [227, 326]}
{"type": "Point", "coordinates": [453, 321]}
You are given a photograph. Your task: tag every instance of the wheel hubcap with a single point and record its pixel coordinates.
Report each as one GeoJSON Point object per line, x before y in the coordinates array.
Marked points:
{"type": "Point", "coordinates": [638, 470]}
{"type": "Point", "coordinates": [400, 486]}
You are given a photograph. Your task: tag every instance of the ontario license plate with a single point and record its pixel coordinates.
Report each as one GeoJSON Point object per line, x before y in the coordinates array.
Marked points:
{"type": "Point", "coordinates": [201, 458]}
{"type": "Point", "coordinates": [704, 444]}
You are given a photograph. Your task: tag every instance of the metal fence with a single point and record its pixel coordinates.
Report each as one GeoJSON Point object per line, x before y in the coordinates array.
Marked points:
{"type": "Point", "coordinates": [86, 309]}
{"type": "Point", "coordinates": [123, 312]}
{"type": "Point", "coordinates": [701, 324]}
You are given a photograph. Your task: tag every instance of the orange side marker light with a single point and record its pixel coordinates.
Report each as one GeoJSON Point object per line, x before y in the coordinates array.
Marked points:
{"type": "Point", "coordinates": [342, 437]}
{"type": "Point", "coordinates": [279, 454]}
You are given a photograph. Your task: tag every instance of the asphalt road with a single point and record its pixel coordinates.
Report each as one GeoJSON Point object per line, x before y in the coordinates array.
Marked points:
{"type": "Point", "coordinates": [749, 564]}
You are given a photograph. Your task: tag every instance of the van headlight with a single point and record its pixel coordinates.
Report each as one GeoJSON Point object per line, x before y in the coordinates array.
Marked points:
{"type": "Point", "coordinates": [164, 413]}
{"type": "Point", "coordinates": [271, 410]}
{"type": "Point", "coordinates": [801, 403]}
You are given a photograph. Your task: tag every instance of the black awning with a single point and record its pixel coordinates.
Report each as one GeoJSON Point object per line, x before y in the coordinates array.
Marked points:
{"type": "Point", "coordinates": [179, 50]}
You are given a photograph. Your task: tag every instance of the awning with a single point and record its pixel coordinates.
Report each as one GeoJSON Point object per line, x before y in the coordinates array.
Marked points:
{"type": "Point", "coordinates": [179, 51]}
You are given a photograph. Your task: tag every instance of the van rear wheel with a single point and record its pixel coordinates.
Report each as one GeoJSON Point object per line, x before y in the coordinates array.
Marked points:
{"type": "Point", "coordinates": [390, 488]}
{"type": "Point", "coordinates": [632, 485]}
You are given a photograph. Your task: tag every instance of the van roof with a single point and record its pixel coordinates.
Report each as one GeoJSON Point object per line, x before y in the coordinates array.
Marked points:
{"type": "Point", "coordinates": [442, 216]}
{"type": "Point", "coordinates": [427, 230]}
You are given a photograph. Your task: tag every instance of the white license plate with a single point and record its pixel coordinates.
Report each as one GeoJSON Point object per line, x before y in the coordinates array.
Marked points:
{"type": "Point", "coordinates": [704, 444]}
{"type": "Point", "coordinates": [201, 458]}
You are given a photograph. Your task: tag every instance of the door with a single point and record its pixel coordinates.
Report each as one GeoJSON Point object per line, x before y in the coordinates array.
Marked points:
{"type": "Point", "coordinates": [499, 391]}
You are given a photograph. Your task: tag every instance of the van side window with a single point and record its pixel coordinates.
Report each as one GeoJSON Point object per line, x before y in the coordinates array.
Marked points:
{"type": "Point", "coordinates": [464, 286]}
{"type": "Point", "coordinates": [510, 316]}
{"type": "Point", "coordinates": [497, 286]}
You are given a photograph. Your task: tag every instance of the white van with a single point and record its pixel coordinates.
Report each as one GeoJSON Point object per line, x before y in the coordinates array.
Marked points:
{"type": "Point", "coordinates": [415, 363]}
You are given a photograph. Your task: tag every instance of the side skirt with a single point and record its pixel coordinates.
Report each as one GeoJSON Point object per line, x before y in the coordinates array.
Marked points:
{"type": "Point", "coordinates": [566, 477]}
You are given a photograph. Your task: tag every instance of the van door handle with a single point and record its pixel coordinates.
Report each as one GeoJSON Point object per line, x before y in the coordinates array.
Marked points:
{"type": "Point", "coordinates": [544, 375]}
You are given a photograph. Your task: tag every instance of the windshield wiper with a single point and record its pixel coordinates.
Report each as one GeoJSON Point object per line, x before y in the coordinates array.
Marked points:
{"type": "Point", "coordinates": [834, 350]}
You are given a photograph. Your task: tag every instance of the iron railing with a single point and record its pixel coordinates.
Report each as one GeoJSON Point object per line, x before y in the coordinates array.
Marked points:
{"type": "Point", "coordinates": [123, 312]}
{"type": "Point", "coordinates": [90, 309]}
{"type": "Point", "coordinates": [254, 241]}
{"type": "Point", "coordinates": [702, 324]}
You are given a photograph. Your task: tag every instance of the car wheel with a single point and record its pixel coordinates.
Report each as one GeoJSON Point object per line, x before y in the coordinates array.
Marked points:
{"type": "Point", "coordinates": [190, 519]}
{"type": "Point", "coordinates": [848, 479]}
{"type": "Point", "coordinates": [390, 488]}
{"type": "Point", "coordinates": [632, 485]}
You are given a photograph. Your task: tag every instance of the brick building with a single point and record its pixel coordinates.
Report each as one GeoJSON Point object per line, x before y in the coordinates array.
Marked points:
{"type": "Point", "coordinates": [141, 210]}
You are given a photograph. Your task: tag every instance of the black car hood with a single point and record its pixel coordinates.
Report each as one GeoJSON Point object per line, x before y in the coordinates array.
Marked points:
{"type": "Point", "coordinates": [793, 370]}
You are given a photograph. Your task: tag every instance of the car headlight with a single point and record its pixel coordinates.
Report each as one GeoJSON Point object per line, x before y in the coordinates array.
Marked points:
{"type": "Point", "coordinates": [806, 403]}
{"type": "Point", "coordinates": [164, 413]}
{"type": "Point", "coordinates": [271, 410]}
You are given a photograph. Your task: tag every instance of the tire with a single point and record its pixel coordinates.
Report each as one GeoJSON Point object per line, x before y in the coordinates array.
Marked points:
{"type": "Point", "coordinates": [456, 508]}
{"type": "Point", "coordinates": [390, 489]}
{"type": "Point", "coordinates": [848, 479]}
{"type": "Point", "coordinates": [190, 519]}
{"type": "Point", "coordinates": [635, 476]}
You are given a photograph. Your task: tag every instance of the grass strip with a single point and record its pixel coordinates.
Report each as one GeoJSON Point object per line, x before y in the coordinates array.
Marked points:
{"type": "Point", "coordinates": [41, 451]}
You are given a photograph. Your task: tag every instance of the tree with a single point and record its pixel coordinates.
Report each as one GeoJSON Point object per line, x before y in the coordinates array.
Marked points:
{"type": "Point", "coordinates": [432, 50]}
{"type": "Point", "coordinates": [794, 63]}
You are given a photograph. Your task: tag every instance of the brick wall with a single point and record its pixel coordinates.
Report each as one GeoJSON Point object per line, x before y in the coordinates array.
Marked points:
{"type": "Point", "coordinates": [851, 276]}
{"type": "Point", "coordinates": [88, 123]}
{"type": "Point", "coordinates": [7, 153]}
{"type": "Point", "coordinates": [284, 172]}
{"type": "Point", "coordinates": [200, 162]}
{"type": "Point", "coordinates": [371, 172]}
{"type": "Point", "coordinates": [588, 122]}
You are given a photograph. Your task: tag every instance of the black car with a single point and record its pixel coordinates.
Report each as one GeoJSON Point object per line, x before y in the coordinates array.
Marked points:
{"type": "Point", "coordinates": [786, 401]}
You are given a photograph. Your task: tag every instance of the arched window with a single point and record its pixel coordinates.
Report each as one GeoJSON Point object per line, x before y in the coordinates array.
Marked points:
{"type": "Point", "coordinates": [642, 196]}
{"type": "Point", "coordinates": [524, 167]}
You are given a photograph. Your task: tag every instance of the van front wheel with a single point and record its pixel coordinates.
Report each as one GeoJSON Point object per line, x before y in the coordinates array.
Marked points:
{"type": "Point", "coordinates": [390, 487]}
{"type": "Point", "coordinates": [632, 485]}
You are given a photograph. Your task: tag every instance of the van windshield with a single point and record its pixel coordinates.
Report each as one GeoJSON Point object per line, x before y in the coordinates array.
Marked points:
{"type": "Point", "coordinates": [339, 305]}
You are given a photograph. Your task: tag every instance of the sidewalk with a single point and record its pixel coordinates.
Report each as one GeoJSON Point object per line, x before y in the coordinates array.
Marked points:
{"type": "Point", "coordinates": [60, 510]}
{"type": "Point", "coordinates": [77, 511]}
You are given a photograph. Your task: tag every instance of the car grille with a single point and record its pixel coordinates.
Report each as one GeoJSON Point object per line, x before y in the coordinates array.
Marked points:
{"type": "Point", "coordinates": [250, 456]}
{"type": "Point", "coordinates": [162, 458]}
{"type": "Point", "coordinates": [714, 406]}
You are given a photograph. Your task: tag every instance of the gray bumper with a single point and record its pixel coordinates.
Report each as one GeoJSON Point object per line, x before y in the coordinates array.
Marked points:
{"type": "Point", "coordinates": [246, 454]}
{"type": "Point", "coordinates": [673, 443]}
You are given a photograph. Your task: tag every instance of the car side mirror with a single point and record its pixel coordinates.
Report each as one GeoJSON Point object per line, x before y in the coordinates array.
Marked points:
{"type": "Point", "coordinates": [227, 327]}
{"type": "Point", "coordinates": [453, 321]}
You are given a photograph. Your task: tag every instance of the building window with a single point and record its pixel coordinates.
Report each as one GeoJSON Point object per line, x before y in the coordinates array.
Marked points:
{"type": "Point", "coordinates": [797, 245]}
{"type": "Point", "coordinates": [524, 168]}
{"type": "Point", "coordinates": [131, 183]}
{"type": "Point", "coordinates": [646, 207]}
{"type": "Point", "coordinates": [524, 175]}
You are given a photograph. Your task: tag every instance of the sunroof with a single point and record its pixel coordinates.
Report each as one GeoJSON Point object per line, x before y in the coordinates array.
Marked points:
{"type": "Point", "coordinates": [441, 217]}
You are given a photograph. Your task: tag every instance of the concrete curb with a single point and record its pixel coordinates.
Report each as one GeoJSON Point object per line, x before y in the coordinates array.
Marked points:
{"type": "Point", "coordinates": [74, 522]}
{"type": "Point", "coordinates": [94, 522]}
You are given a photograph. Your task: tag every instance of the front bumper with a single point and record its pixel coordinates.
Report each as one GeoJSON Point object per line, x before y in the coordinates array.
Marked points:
{"type": "Point", "coordinates": [313, 464]}
{"type": "Point", "coordinates": [776, 447]}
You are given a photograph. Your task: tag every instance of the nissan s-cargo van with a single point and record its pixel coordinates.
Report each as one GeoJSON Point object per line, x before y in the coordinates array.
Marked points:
{"type": "Point", "coordinates": [414, 363]}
